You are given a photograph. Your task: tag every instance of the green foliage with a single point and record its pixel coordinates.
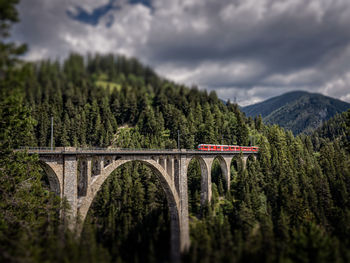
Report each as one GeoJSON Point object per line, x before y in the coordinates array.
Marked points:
{"type": "Point", "coordinates": [16, 125]}
{"type": "Point", "coordinates": [8, 50]}
{"type": "Point", "coordinates": [29, 213]}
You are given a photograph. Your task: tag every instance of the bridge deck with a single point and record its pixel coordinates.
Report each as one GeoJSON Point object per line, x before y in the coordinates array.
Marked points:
{"type": "Point", "coordinates": [116, 151]}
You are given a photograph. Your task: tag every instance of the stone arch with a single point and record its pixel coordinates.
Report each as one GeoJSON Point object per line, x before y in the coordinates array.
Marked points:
{"type": "Point", "coordinates": [167, 185]}
{"type": "Point", "coordinates": [224, 169]}
{"type": "Point", "coordinates": [205, 166]}
{"type": "Point", "coordinates": [194, 177]}
{"type": "Point", "coordinates": [54, 182]}
{"type": "Point", "coordinates": [236, 163]}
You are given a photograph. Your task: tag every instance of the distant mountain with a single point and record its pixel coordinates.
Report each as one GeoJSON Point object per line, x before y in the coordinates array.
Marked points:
{"type": "Point", "coordinates": [298, 111]}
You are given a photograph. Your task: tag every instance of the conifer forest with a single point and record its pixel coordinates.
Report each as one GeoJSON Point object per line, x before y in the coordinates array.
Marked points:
{"type": "Point", "coordinates": [291, 204]}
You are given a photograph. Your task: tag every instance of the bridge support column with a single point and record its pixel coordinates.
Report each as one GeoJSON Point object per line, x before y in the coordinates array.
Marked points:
{"type": "Point", "coordinates": [89, 173]}
{"type": "Point", "coordinates": [206, 193]}
{"type": "Point", "coordinates": [244, 162]}
{"type": "Point", "coordinates": [170, 167]}
{"type": "Point", "coordinates": [183, 194]}
{"type": "Point", "coordinates": [70, 188]}
{"type": "Point", "coordinates": [176, 174]}
{"type": "Point", "coordinates": [227, 171]}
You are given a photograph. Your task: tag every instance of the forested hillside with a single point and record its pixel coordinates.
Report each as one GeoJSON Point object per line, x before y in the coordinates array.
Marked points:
{"type": "Point", "coordinates": [91, 98]}
{"type": "Point", "coordinates": [298, 111]}
{"type": "Point", "coordinates": [290, 205]}
{"type": "Point", "coordinates": [335, 129]}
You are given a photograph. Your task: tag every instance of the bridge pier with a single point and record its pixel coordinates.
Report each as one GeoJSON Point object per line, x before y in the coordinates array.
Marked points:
{"type": "Point", "coordinates": [70, 188]}
{"type": "Point", "coordinates": [170, 167]}
{"type": "Point", "coordinates": [227, 171]}
{"type": "Point", "coordinates": [183, 194]}
{"type": "Point", "coordinates": [206, 193]}
{"type": "Point", "coordinates": [244, 162]}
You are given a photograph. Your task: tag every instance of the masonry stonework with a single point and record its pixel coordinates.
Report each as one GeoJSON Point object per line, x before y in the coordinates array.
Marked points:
{"type": "Point", "coordinates": [77, 175]}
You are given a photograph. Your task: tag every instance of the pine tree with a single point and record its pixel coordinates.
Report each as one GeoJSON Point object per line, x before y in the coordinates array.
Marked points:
{"type": "Point", "coordinates": [9, 50]}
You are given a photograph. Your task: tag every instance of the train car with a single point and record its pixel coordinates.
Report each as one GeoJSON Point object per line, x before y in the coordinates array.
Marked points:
{"type": "Point", "coordinates": [227, 148]}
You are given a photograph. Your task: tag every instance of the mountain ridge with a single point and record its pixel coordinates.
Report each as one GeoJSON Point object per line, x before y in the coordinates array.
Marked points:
{"type": "Point", "coordinates": [298, 111]}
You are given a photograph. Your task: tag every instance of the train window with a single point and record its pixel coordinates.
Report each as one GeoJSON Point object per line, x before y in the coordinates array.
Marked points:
{"type": "Point", "coordinates": [225, 148]}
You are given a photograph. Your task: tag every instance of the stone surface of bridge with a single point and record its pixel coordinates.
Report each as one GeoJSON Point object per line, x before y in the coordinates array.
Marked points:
{"type": "Point", "coordinates": [77, 175]}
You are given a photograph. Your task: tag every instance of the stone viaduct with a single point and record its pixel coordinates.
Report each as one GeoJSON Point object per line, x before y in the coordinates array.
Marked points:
{"type": "Point", "coordinates": [77, 174]}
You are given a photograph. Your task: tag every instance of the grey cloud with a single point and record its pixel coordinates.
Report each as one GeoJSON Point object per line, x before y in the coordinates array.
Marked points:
{"type": "Point", "coordinates": [282, 41]}
{"type": "Point", "coordinates": [250, 48]}
{"type": "Point", "coordinates": [41, 29]}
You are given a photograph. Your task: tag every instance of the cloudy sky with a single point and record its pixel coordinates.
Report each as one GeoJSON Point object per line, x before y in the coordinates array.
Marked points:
{"type": "Point", "coordinates": [250, 50]}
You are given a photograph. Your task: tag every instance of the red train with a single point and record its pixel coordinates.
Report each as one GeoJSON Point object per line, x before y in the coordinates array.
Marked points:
{"type": "Point", "coordinates": [227, 148]}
